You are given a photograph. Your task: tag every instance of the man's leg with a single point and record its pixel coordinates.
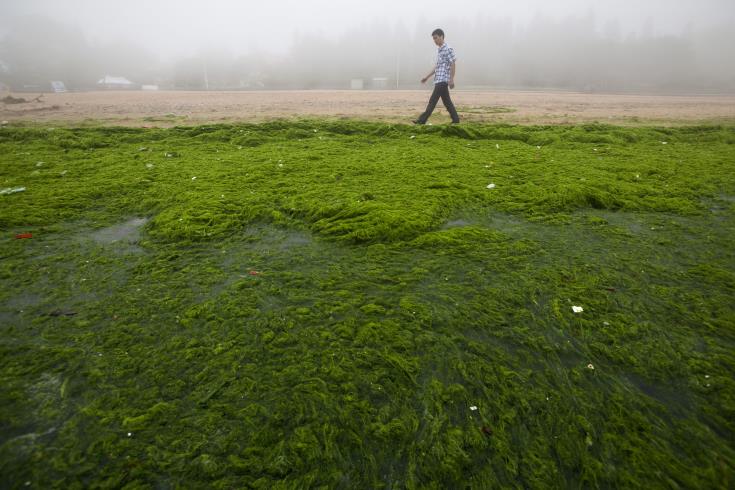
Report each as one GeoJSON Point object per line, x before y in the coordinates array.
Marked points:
{"type": "Point", "coordinates": [449, 105]}
{"type": "Point", "coordinates": [435, 95]}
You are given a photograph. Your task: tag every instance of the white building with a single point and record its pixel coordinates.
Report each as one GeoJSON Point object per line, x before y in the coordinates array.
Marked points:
{"type": "Point", "coordinates": [115, 83]}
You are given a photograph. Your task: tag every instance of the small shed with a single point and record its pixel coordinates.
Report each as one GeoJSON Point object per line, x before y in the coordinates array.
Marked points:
{"type": "Point", "coordinates": [380, 83]}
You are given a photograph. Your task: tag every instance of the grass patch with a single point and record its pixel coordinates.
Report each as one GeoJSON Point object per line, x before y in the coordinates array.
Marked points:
{"type": "Point", "coordinates": [348, 305]}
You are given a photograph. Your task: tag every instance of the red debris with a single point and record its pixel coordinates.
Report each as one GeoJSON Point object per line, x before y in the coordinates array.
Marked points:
{"type": "Point", "coordinates": [254, 273]}
{"type": "Point", "coordinates": [21, 236]}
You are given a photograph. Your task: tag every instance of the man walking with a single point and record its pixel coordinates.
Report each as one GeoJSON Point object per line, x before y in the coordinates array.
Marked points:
{"type": "Point", "coordinates": [443, 79]}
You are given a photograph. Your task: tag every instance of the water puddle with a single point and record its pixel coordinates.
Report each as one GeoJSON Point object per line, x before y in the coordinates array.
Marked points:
{"type": "Point", "coordinates": [127, 232]}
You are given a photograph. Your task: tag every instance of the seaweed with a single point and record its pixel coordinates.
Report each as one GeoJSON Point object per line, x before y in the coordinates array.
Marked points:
{"type": "Point", "coordinates": [344, 304]}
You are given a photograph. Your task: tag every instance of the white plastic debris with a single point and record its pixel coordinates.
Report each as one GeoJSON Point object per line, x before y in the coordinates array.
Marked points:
{"type": "Point", "coordinates": [664, 143]}
{"type": "Point", "coordinates": [39, 164]}
{"type": "Point", "coordinates": [149, 165]}
{"type": "Point", "coordinates": [497, 146]}
{"type": "Point", "coordinates": [130, 434]}
{"type": "Point", "coordinates": [590, 366]}
{"type": "Point", "coordinates": [538, 147]}
{"type": "Point", "coordinates": [11, 190]}
{"type": "Point", "coordinates": [193, 178]}
{"type": "Point", "coordinates": [577, 309]}
{"type": "Point", "coordinates": [412, 136]}
{"type": "Point", "coordinates": [491, 186]}
{"type": "Point", "coordinates": [473, 408]}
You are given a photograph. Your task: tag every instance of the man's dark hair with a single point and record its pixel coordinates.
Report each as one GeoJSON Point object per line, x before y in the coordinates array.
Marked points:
{"type": "Point", "coordinates": [437, 32]}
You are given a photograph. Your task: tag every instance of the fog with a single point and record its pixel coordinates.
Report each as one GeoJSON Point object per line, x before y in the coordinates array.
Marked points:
{"type": "Point", "coordinates": [589, 45]}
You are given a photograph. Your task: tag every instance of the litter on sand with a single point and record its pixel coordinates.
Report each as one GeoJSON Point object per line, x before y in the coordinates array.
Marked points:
{"type": "Point", "coordinates": [11, 190]}
{"type": "Point", "coordinates": [577, 309]}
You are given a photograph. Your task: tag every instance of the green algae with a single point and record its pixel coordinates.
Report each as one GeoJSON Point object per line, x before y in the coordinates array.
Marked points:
{"type": "Point", "coordinates": [322, 304]}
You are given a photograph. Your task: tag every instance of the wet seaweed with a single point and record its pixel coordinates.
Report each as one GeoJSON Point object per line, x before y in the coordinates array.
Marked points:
{"type": "Point", "coordinates": [341, 304]}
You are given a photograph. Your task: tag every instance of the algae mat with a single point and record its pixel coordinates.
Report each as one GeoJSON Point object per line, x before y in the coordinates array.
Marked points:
{"type": "Point", "coordinates": [359, 305]}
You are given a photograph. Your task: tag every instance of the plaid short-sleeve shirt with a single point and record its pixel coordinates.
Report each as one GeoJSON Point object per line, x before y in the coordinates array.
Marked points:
{"type": "Point", "coordinates": [444, 59]}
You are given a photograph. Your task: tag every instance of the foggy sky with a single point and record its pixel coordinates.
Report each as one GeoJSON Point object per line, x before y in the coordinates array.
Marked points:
{"type": "Point", "coordinates": [175, 28]}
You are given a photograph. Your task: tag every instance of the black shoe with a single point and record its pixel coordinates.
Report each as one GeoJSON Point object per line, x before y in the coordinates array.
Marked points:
{"type": "Point", "coordinates": [419, 122]}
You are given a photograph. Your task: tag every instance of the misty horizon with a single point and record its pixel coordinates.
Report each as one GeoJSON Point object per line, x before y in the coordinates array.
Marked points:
{"type": "Point", "coordinates": [579, 45]}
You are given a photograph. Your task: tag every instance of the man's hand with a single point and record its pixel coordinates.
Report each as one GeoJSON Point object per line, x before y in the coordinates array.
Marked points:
{"type": "Point", "coordinates": [423, 80]}
{"type": "Point", "coordinates": [451, 83]}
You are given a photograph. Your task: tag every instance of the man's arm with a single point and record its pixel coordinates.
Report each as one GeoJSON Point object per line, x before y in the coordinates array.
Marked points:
{"type": "Point", "coordinates": [423, 80]}
{"type": "Point", "coordinates": [451, 74]}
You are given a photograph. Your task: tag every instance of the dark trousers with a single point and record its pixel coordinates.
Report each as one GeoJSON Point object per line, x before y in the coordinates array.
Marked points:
{"type": "Point", "coordinates": [441, 90]}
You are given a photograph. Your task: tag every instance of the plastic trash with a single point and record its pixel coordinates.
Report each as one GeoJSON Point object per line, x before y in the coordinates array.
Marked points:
{"type": "Point", "coordinates": [491, 186]}
{"type": "Point", "coordinates": [254, 273]}
{"type": "Point", "coordinates": [21, 236]}
{"type": "Point", "coordinates": [412, 136]}
{"type": "Point", "coordinates": [11, 190]}
{"type": "Point", "coordinates": [590, 366]}
{"type": "Point", "coordinates": [577, 309]}
{"type": "Point", "coordinates": [473, 408]}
